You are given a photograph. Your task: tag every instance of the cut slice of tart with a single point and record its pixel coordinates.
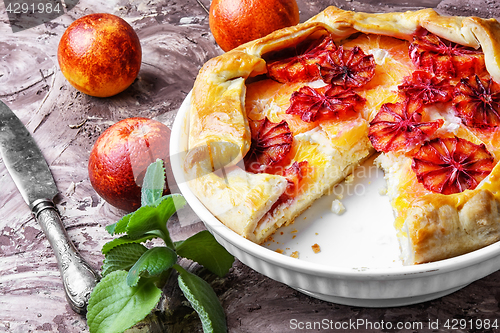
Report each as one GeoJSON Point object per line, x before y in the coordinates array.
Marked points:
{"type": "Point", "coordinates": [323, 149]}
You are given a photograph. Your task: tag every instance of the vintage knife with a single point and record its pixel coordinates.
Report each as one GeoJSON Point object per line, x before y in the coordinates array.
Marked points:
{"type": "Point", "coordinates": [30, 172]}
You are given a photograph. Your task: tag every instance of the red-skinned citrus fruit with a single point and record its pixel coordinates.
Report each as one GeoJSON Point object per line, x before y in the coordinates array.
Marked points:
{"type": "Point", "coordinates": [120, 157]}
{"type": "Point", "coordinates": [234, 22]}
{"type": "Point", "coordinates": [100, 54]}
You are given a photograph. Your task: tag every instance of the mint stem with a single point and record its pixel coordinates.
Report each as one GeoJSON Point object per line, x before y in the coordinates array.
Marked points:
{"type": "Point", "coordinates": [166, 237]}
{"type": "Point", "coordinates": [163, 278]}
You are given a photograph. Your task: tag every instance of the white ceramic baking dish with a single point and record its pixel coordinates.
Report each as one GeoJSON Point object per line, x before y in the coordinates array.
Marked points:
{"type": "Point", "coordinates": [358, 263]}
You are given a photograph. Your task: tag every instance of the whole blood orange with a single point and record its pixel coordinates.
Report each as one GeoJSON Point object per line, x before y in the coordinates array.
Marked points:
{"type": "Point", "coordinates": [100, 54]}
{"type": "Point", "coordinates": [234, 22]}
{"type": "Point", "coordinates": [120, 157]}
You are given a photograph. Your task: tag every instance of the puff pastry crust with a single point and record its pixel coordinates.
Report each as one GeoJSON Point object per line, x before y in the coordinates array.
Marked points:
{"type": "Point", "coordinates": [431, 227]}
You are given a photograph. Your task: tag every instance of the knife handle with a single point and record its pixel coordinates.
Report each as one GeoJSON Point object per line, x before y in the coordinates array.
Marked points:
{"type": "Point", "coordinates": [79, 279]}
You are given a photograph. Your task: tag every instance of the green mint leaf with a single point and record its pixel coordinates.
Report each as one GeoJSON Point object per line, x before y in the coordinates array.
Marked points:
{"type": "Point", "coordinates": [171, 203]}
{"type": "Point", "coordinates": [165, 197]}
{"type": "Point", "coordinates": [120, 226]}
{"type": "Point", "coordinates": [122, 258]}
{"type": "Point", "coordinates": [204, 300]}
{"type": "Point", "coordinates": [111, 228]}
{"type": "Point", "coordinates": [177, 244]}
{"type": "Point", "coordinates": [152, 263]}
{"type": "Point", "coordinates": [114, 306]}
{"type": "Point", "coordinates": [153, 184]}
{"type": "Point", "coordinates": [148, 219]}
{"type": "Point", "coordinates": [204, 249]}
{"type": "Point", "coordinates": [124, 240]}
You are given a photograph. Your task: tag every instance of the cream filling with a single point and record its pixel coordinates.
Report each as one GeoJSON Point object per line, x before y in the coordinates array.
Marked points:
{"type": "Point", "coordinates": [445, 112]}
{"type": "Point", "coordinates": [318, 136]}
{"type": "Point", "coordinates": [394, 168]}
{"type": "Point", "coordinates": [379, 56]}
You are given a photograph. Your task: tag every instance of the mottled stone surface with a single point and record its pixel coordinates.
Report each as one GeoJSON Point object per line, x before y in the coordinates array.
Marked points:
{"type": "Point", "coordinates": [176, 42]}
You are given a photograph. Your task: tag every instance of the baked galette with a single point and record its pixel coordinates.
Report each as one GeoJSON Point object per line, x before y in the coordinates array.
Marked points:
{"type": "Point", "coordinates": [276, 123]}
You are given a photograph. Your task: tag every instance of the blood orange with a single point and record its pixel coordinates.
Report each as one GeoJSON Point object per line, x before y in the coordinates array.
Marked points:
{"type": "Point", "coordinates": [234, 22]}
{"type": "Point", "coordinates": [120, 157]}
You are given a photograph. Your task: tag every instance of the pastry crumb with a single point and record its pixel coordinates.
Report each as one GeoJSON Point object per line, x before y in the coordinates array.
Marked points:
{"type": "Point", "coordinates": [295, 254]}
{"type": "Point", "coordinates": [316, 248]}
{"type": "Point", "coordinates": [294, 236]}
{"type": "Point", "coordinates": [382, 191]}
{"type": "Point", "coordinates": [337, 207]}
{"type": "Point", "coordinates": [294, 231]}
{"type": "Point", "coordinates": [280, 251]}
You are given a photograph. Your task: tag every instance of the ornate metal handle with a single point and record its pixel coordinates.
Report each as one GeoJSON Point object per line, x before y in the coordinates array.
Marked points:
{"type": "Point", "coordinates": [79, 279]}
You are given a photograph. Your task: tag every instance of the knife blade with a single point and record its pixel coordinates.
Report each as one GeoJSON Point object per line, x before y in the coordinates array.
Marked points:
{"type": "Point", "coordinates": [31, 174]}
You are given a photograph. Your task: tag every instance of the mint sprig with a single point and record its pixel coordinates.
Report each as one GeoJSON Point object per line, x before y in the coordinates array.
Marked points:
{"type": "Point", "coordinates": [203, 248]}
{"type": "Point", "coordinates": [114, 306]}
{"type": "Point", "coordinates": [133, 273]}
{"type": "Point", "coordinates": [204, 301]}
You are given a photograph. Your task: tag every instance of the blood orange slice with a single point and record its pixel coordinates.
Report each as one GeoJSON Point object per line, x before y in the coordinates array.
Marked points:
{"type": "Point", "coordinates": [399, 126]}
{"type": "Point", "coordinates": [452, 165]}
{"type": "Point", "coordinates": [427, 87]}
{"type": "Point", "coordinates": [444, 58]}
{"type": "Point", "coordinates": [477, 102]}
{"type": "Point", "coordinates": [349, 67]}
{"type": "Point", "coordinates": [304, 67]}
{"type": "Point", "coordinates": [329, 101]}
{"type": "Point", "coordinates": [294, 174]}
{"type": "Point", "coordinates": [271, 142]}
